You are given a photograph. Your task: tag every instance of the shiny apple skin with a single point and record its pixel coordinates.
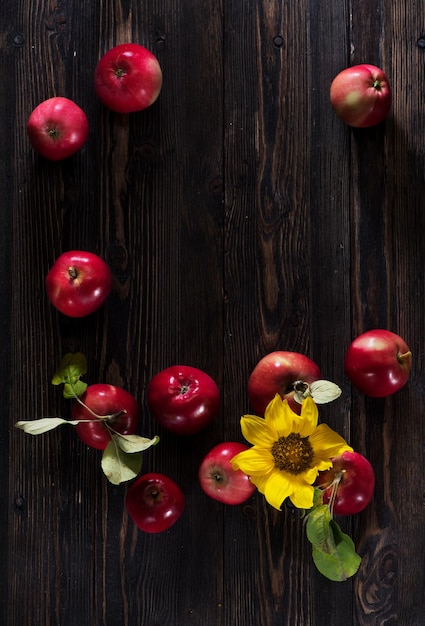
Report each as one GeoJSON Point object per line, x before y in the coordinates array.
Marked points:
{"type": "Point", "coordinates": [78, 283]}
{"type": "Point", "coordinates": [374, 365]}
{"type": "Point", "coordinates": [275, 373]}
{"type": "Point", "coordinates": [219, 480]}
{"type": "Point", "coordinates": [183, 399]}
{"type": "Point", "coordinates": [155, 502]}
{"type": "Point", "coordinates": [105, 399]}
{"type": "Point", "coordinates": [356, 488]}
{"type": "Point", "coordinates": [57, 128]}
{"type": "Point", "coordinates": [361, 95]}
{"type": "Point", "coordinates": [128, 78]}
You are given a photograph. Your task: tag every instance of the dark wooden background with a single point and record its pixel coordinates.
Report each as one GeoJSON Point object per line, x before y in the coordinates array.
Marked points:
{"type": "Point", "coordinates": [239, 216]}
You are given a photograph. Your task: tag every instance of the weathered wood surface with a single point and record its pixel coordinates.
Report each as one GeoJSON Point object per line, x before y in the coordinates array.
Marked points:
{"type": "Point", "coordinates": [239, 216]}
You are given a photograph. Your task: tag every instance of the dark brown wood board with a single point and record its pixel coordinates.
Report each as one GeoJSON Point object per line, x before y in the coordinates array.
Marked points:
{"type": "Point", "coordinates": [239, 216]}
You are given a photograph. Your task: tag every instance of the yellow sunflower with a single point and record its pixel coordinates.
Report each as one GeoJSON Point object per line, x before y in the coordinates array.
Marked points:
{"type": "Point", "coordinates": [288, 452]}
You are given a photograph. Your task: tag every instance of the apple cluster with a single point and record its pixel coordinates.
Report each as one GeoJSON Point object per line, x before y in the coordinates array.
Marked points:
{"type": "Point", "coordinates": [378, 363]}
{"type": "Point", "coordinates": [184, 400]}
{"type": "Point", "coordinates": [127, 79]}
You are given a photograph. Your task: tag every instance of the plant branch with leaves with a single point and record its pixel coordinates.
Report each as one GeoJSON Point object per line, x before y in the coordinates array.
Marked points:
{"type": "Point", "coordinates": [122, 451]}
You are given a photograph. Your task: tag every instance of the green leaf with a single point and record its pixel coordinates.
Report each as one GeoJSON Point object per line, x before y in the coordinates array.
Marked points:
{"type": "Point", "coordinates": [119, 466]}
{"type": "Point", "coordinates": [317, 497]}
{"type": "Point", "coordinates": [75, 390]}
{"type": "Point", "coordinates": [38, 427]}
{"type": "Point", "coordinates": [135, 443]}
{"type": "Point", "coordinates": [69, 372]}
{"type": "Point", "coordinates": [334, 552]}
{"type": "Point", "coordinates": [340, 563]}
{"type": "Point", "coordinates": [318, 529]}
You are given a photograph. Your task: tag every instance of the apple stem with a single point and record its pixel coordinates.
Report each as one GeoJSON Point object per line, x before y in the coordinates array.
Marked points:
{"type": "Point", "coordinates": [111, 416]}
{"type": "Point", "coordinates": [115, 416]}
{"type": "Point", "coordinates": [334, 484]}
{"type": "Point", "coordinates": [73, 274]}
{"type": "Point", "coordinates": [404, 357]}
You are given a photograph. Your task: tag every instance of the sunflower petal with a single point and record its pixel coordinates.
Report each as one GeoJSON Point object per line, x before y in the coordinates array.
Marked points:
{"type": "Point", "coordinates": [279, 417]}
{"type": "Point", "coordinates": [310, 475]}
{"type": "Point", "coordinates": [309, 417]}
{"type": "Point", "coordinates": [302, 496]}
{"type": "Point", "coordinates": [322, 464]}
{"type": "Point", "coordinates": [253, 462]}
{"type": "Point", "coordinates": [327, 443]}
{"type": "Point", "coordinates": [277, 488]}
{"type": "Point", "coordinates": [256, 431]}
{"type": "Point", "coordinates": [260, 482]}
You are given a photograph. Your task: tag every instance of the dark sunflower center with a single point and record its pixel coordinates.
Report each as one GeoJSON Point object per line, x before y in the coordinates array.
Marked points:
{"type": "Point", "coordinates": [292, 454]}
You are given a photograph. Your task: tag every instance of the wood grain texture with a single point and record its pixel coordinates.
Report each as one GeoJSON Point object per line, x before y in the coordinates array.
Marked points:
{"type": "Point", "coordinates": [238, 216]}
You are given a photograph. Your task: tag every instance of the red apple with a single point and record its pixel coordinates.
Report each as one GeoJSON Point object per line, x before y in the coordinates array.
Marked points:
{"type": "Point", "coordinates": [276, 373]}
{"type": "Point", "coordinates": [219, 480]}
{"type": "Point", "coordinates": [128, 78]}
{"type": "Point", "coordinates": [378, 363]}
{"type": "Point", "coordinates": [349, 485]}
{"type": "Point", "coordinates": [105, 409]}
{"type": "Point", "coordinates": [57, 128]}
{"type": "Point", "coordinates": [155, 502]}
{"type": "Point", "coordinates": [361, 95]}
{"type": "Point", "coordinates": [183, 399]}
{"type": "Point", "coordinates": [78, 283]}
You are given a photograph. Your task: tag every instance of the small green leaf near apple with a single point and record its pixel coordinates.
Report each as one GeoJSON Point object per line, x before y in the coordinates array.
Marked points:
{"type": "Point", "coordinates": [277, 372]}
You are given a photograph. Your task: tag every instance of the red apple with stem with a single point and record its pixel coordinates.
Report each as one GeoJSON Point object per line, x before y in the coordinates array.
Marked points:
{"type": "Point", "coordinates": [128, 78]}
{"type": "Point", "coordinates": [349, 485]}
{"type": "Point", "coordinates": [57, 128]}
{"type": "Point", "coordinates": [78, 283]}
{"type": "Point", "coordinates": [155, 502]}
{"type": "Point", "coordinates": [361, 95]}
{"type": "Point", "coordinates": [378, 362]}
{"type": "Point", "coordinates": [183, 399]}
{"type": "Point", "coordinates": [219, 480]}
{"type": "Point", "coordinates": [105, 410]}
{"type": "Point", "coordinates": [276, 373]}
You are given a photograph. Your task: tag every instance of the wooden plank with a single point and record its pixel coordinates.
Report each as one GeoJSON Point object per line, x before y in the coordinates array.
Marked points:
{"type": "Point", "coordinates": [9, 48]}
{"type": "Point", "coordinates": [269, 291]}
{"type": "Point", "coordinates": [49, 483]}
{"type": "Point", "coordinates": [330, 284]}
{"type": "Point", "coordinates": [389, 216]}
